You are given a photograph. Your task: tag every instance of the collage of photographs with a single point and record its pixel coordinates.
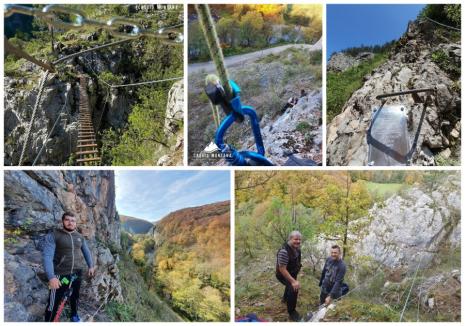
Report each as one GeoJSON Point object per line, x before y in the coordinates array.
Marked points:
{"type": "Point", "coordinates": [232, 162]}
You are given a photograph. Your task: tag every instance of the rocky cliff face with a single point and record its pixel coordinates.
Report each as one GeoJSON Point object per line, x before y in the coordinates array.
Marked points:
{"type": "Point", "coordinates": [34, 203]}
{"type": "Point", "coordinates": [173, 116]}
{"type": "Point", "coordinates": [412, 64]}
{"type": "Point", "coordinates": [412, 227]}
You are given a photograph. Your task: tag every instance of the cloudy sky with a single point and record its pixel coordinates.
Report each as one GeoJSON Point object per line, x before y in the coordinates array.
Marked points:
{"type": "Point", "coordinates": [151, 195]}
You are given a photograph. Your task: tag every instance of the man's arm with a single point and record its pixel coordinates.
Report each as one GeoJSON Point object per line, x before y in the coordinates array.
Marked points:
{"type": "Point", "coordinates": [338, 282]}
{"type": "Point", "coordinates": [47, 255]}
{"type": "Point", "coordinates": [87, 254]}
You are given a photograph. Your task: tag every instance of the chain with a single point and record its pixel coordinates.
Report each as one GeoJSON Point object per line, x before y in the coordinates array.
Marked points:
{"type": "Point", "coordinates": [68, 18]}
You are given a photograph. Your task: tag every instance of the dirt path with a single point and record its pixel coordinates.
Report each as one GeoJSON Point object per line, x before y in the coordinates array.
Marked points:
{"type": "Point", "coordinates": [250, 57]}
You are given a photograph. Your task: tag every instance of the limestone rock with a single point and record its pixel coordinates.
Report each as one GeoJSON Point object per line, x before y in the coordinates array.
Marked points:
{"type": "Point", "coordinates": [409, 66]}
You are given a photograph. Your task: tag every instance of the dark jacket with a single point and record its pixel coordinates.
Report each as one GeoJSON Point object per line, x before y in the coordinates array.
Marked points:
{"type": "Point", "coordinates": [332, 277]}
{"type": "Point", "coordinates": [64, 253]}
{"type": "Point", "coordinates": [294, 264]}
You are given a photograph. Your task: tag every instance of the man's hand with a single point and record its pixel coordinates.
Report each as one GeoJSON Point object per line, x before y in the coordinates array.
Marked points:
{"type": "Point", "coordinates": [295, 285]}
{"type": "Point", "coordinates": [91, 272]}
{"type": "Point", "coordinates": [54, 283]}
{"type": "Point", "coordinates": [328, 300]}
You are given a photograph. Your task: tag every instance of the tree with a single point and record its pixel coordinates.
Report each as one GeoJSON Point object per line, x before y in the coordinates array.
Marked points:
{"type": "Point", "coordinates": [344, 207]}
{"type": "Point", "coordinates": [227, 29]}
{"type": "Point", "coordinates": [250, 27]}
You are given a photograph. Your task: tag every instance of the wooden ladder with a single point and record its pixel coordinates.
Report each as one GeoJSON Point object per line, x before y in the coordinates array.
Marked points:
{"type": "Point", "coordinates": [87, 148]}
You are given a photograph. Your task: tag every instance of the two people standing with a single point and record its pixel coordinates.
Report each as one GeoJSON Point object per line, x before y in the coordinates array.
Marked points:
{"type": "Point", "coordinates": [288, 265]}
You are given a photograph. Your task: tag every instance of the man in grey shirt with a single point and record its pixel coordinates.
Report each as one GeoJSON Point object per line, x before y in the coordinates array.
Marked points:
{"type": "Point", "coordinates": [65, 254]}
{"type": "Point", "coordinates": [332, 277]}
{"type": "Point", "coordinates": [288, 266]}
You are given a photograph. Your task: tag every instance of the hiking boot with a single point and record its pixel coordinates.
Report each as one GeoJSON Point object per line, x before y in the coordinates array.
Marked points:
{"type": "Point", "coordinates": [75, 319]}
{"type": "Point", "coordinates": [295, 316]}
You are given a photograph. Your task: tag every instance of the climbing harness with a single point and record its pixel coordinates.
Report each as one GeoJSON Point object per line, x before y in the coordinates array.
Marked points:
{"type": "Point", "coordinates": [226, 93]}
{"type": "Point", "coordinates": [387, 136]}
{"type": "Point", "coordinates": [66, 296]}
{"type": "Point", "coordinates": [235, 112]}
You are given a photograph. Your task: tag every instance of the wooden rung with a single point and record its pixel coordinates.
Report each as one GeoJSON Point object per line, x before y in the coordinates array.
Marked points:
{"type": "Point", "coordinates": [87, 152]}
{"type": "Point", "coordinates": [87, 138]}
{"type": "Point", "coordinates": [87, 145]}
{"type": "Point", "coordinates": [83, 160]}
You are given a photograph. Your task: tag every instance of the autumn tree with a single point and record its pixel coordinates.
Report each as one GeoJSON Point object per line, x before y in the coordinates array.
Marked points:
{"type": "Point", "coordinates": [250, 26]}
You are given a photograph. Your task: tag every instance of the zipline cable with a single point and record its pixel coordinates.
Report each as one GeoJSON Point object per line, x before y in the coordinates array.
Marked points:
{"type": "Point", "coordinates": [444, 25]}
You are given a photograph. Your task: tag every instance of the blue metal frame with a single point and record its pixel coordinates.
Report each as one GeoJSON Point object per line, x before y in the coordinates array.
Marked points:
{"type": "Point", "coordinates": [241, 158]}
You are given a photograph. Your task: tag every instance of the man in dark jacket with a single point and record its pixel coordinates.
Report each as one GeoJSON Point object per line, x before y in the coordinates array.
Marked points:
{"type": "Point", "coordinates": [287, 267]}
{"type": "Point", "coordinates": [63, 256]}
{"type": "Point", "coordinates": [332, 277]}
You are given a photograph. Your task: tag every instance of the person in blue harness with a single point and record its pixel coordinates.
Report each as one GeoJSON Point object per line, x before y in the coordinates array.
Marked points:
{"type": "Point", "coordinates": [65, 254]}
{"type": "Point", "coordinates": [288, 264]}
{"type": "Point", "coordinates": [332, 277]}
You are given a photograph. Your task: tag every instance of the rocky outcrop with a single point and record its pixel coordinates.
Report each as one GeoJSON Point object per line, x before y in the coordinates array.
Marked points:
{"type": "Point", "coordinates": [34, 203]}
{"type": "Point", "coordinates": [341, 61]}
{"type": "Point", "coordinates": [174, 117]}
{"type": "Point", "coordinates": [298, 130]}
{"type": "Point", "coordinates": [410, 228]}
{"type": "Point", "coordinates": [413, 63]}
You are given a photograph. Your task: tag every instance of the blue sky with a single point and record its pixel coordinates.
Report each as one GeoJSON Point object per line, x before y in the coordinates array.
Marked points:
{"type": "Point", "coordinates": [151, 195]}
{"type": "Point", "coordinates": [354, 25]}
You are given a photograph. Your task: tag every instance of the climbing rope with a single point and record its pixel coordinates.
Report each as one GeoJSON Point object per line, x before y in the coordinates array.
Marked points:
{"type": "Point", "coordinates": [91, 318]}
{"type": "Point", "coordinates": [441, 24]}
{"type": "Point", "coordinates": [410, 291]}
{"type": "Point", "coordinates": [34, 111]}
{"type": "Point", "coordinates": [211, 37]}
{"type": "Point", "coordinates": [51, 131]}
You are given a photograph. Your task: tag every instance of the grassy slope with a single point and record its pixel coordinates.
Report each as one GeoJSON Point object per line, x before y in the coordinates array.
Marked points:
{"type": "Point", "coordinates": [384, 189]}
{"type": "Point", "coordinates": [140, 304]}
{"type": "Point", "coordinates": [258, 291]}
{"type": "Point", "coordinates": [340, 86]}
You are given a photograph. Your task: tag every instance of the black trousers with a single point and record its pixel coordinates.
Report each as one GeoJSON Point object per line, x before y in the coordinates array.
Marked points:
{"type": "Point", "coordinates": [56, 296]}
{"type": "Point", "coordinates": [290, 296]}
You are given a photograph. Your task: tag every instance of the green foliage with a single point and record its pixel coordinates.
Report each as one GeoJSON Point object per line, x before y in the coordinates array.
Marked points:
{"type": "Point", "coordinates": [362, 311]}
{"type": "Point", "coordinates": [340, 86]}
{"type": "Point", "coordinates": [141, 303]}
{"type": "Point", "coordinates": [442, 59]}
{"type": "Point", "coordinates": [111, 78]}
{"type": "Point", "coordinates": [302, 126]}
